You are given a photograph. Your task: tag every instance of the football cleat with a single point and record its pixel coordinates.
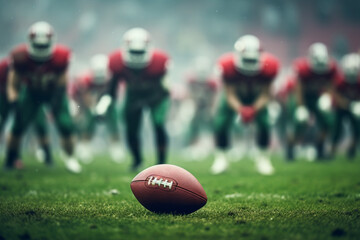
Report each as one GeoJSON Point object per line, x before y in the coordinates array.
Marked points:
{"type": "Point", "coordinates": [220, 164]}
{"type": "Point", "coordinates": [117, 153]}
{"type": "Point", "coordinates": [73, 165]}
{"type": "Point", "coordinates": [137, 48]}
{"type": "Point", "coordinates": [319, 58]}
{"type": "Point", "coordinates": [84, 152]}
{"type": "Point", "coordinates": [247, 54]}
{"type": "Point", "coordinates": [41, 41]}
{"type": "Point", "coordinates": [263, 165]}
{"type": "Point", "coordinates": [40, 155]}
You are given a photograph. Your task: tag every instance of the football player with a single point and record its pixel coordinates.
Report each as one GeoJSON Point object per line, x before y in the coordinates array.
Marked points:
{"type": "Point", "coordinates": [347, 96]}
{"type": "Point", "coordinates": [202, 87]}
{"type": "Point", "coordinates": [315, 76]}
{"type": "Point", "coordinates": [42, 67]}
{"type": "Point", "coordinates": [143, 69]}
{"type": "Point", "coordinates": [6, 107]}
{"type": "Point", "coordinates": [247, 75]}
{"type": "Point", "coordinates": [89, 87]}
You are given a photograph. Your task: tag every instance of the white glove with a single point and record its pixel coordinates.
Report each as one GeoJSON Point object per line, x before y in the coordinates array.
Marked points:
{"type": "Point", "coordinates": [355, 108]}
{"type": "Point", "coordinates": [103, 105]}
{"type": "Point", "coordinates": [324, 102]}
{"type": "Point", "coordinates": [74, 108]}
{"type": "Point", "coordinates": [302, 114]}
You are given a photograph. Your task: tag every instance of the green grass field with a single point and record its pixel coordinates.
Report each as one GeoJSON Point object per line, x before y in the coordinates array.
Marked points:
{"type": "Point", "coordinates": [301, 201]}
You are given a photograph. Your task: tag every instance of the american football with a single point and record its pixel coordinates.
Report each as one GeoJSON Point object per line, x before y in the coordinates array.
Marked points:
{"type": "Point", "coordinates": [167, 188]}
{"type": "Point", "coordinates": [180, 120]}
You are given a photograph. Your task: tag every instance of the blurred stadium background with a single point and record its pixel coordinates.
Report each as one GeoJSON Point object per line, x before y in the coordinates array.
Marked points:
{"type": "Point", "coordinates": [187, 28]}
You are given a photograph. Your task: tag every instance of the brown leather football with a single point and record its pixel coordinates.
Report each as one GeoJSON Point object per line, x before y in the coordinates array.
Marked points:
{"type": "Point", "coordinates": [167, 188]}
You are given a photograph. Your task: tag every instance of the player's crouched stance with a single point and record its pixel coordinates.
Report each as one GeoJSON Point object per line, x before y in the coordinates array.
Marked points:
{"type": "Point", "coordinates": [247, 75]}
{"type": "Point", "coordinates": [347, 95]}
{"type": "Point", "coordinates": [315, 75]}
{"type": "Point", "coordinates": [143, 69]}
{"type": "Point", "coordinates": [41, 67]}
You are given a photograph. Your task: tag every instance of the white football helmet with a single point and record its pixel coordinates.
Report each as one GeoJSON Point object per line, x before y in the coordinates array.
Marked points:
{"type": "Point", "coordinates": [350, 64]}
{"type": "Point", "coordinates": [137, 49]}
{"type": "Point", "coordinates": [247, 54]}
{"type": "Point", "coordinates": [319, 58]}
{"type": "Point", "coordinates": [41, 41]}
{"type": "Point", "coordinates": [202, 68]}
{"type": "Point", "coordinates": [99, 68]}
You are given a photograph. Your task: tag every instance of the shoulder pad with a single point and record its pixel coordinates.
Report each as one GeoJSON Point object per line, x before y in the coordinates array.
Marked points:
{"type": "Point", "coordinates": [4, 65]}
{"type": "Point", "coordinates": [270, 65]}
{"type": "Point", "coordinates": [226, 63]}
{"type": "Point", "coordinates": [301, 67]}
{"type": "Point", "coordinates": [19, 56]}
{"type": "Point", "coordinates": [4, 68]}
{"type": "Point", "coordinates": [339, 79]}
{"type": "Point", "coordinates": [158, 63]}
{"type": "Point", "coordinates": [116, 63]}
{"type": "Point", "coordinates": [61, 57]}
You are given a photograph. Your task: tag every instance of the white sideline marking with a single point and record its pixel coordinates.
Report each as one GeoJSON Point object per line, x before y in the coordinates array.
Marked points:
{"type": "Point", "coordinates": [256, 196]}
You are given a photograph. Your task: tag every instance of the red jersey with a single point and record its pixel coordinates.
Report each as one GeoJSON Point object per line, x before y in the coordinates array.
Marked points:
{"type": "Point", "coordinates": [249, 86]}
{"type": "Point", "coordinates": [148, 78]}
{"type": "Point", "coordinates": [312, 82]}
{"type": "Point", "coordinates": [40, 76]}
{"type": "Point", "coordinates": [349, 90]}
{"type": "Point", "coordinates": [4, 70]}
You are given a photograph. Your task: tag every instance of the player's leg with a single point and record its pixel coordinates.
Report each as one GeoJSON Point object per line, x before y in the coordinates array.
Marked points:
{"type": "Point", "coordinates": [262, 158]}
{"type": "Point", "coordinates": [116, 150]}
{"type": "Point", "coordinates": [132, 117]}
{"type": "Point", "coordinates": [294, 128]}
{"type": "Point", "coordinates": [337, 131]}
{"type": "Point", "coordinates": [5, 108]}
{"type": "Point", "coordinates": [86, 127]}
{"type": "Point", "coordinates": [25, 112]}
{"type": "Point", "coordinates": [355, 130]}
{"type": "Point", "coordinates": [41, 129]}
{"type": "Point", "coordinates": [158, 116]}
{"type": "Point", "coordinates": [194, 129]}
{"type": "Point", "coordinates": [324, 122]}
{"type": "Point", "coordinates": [222, 123]}
{"type": "Point", "coordinates": [65, 125]}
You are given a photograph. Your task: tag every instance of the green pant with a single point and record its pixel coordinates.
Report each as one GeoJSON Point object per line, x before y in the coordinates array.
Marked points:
{"type": "Point", "coordinates": [88, 126]}
{"type": "Point", "coordinates": [135, 104]}
{"type": "Point", "coordinates": [340, 116]}
{"type": "Point", "coordinates": [324, 120]}
{"type": "Point", "coordinates": [30, 106]}
{"type": "Point", "coordinates": [5, 108]}
{"type": "Point", "coordinates": [224, 120]}
{"type": "Point", "coordinates": [39, 123]}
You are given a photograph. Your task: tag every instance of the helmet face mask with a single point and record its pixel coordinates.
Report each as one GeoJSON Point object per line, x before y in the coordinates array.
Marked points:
{"type": "Point", "coordinates": [99, 68]}
{"type": "Point", "coordinates": [319, 58]}
{"type": "Point", "coordinates": [247, 54]}
{"type": "Point", "coordinates": [40, 41]}
{"type": "Point", "coordinates": [137, 48]}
